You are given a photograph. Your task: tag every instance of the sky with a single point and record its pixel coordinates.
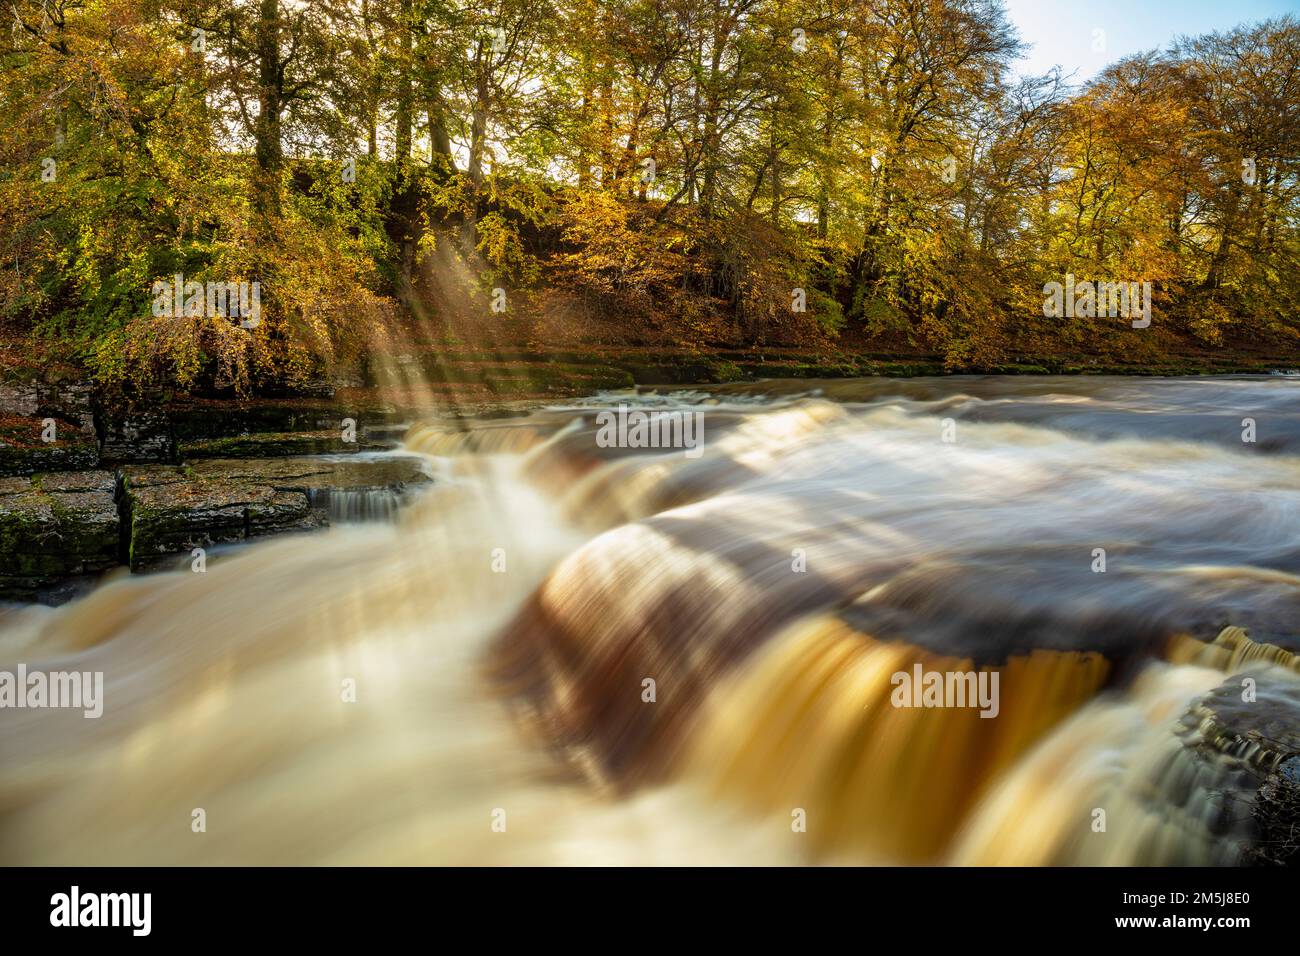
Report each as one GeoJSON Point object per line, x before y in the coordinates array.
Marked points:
{"type": "Point", "coordinates": [1062, 30]}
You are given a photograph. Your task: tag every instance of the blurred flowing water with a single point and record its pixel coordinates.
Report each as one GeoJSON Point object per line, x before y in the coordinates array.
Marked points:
{"type": "Point", "coordinates": [629, 655]}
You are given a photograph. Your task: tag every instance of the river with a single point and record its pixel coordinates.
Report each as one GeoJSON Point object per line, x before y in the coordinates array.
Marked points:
{"type": "Point", "coordinates": [569, 650]}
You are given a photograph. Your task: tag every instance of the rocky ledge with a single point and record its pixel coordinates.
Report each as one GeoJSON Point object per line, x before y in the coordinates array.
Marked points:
{"type": "Point", "coordinates": [55, 526]}
{"type": "Point", "coordinates": [171, 509]}
{"type": "Point", "coordinates": [66, 525]}
{"type": "Point", "coordinates": [278, 444]}
{"type": "Point", "coordinates": [88, 483]}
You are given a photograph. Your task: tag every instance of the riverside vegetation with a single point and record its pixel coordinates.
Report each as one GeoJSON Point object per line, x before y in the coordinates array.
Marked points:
{"type": "Point", "coordinates": [228, 228]}
{"type": "Point", "coordinates": [857, 182]}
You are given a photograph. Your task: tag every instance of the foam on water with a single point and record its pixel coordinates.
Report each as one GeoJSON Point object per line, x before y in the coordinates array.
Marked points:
{"type": "Point", "coordinates": [500, 629]}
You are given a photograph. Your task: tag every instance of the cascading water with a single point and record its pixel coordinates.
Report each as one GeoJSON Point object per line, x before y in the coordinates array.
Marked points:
{"type": "Point", "coordinates": [357, 505]}
{"type": "Point", "coordinates": [630, 655]}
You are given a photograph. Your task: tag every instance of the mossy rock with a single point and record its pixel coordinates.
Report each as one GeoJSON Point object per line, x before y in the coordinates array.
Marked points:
{"type": "Point", "coordinates": [61, 456]}
{"type": "Point", "coordinates": [201, 420]}
{"type": "Point", "coordinates": [681, 373]}
{"type": "Point", "coordinates": [24, 450]}
{"type": "Point", "coordinates": [554, 378]}
{"type": "Point", "coordinates": [277, 444]}
{"type": "Point", "coordinates": [55, 526]}
{"type": "Point", "coordinates": [173, 509]}
{"type": "Point", "coordinates": [1276, 812]}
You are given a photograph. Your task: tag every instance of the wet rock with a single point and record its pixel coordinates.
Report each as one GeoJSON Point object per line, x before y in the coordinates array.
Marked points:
{"type": "Point", "coordinates": [68, 402]}
{"type": "Point", "coordinates": [170, 509]}
{"type": "Point", "coordinates": [1251, 723]}
{"type": "Point", "coordinates": [135, 436]}
{"type": "Point", "coordinates": [53, 527]}
{"type": "Point", "coordinates": [504, 377]}
{"type": "Point", "coordinates": [45, 428]}
{"type": "Point", "coordinates": [307, 473]}
{"type": "Point", "coordinates": [1277, 814]}
{"type": "Point", "coordinates": [166, 514]}
{"type": "Point", "coordinates": [281, 444]}
{"type": "Point", "coordinates": [24, 452]}
{"type": "Point", "coordinates": [199, 420]}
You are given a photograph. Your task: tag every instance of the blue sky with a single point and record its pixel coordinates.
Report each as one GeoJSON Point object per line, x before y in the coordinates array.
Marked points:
{"type": "Point", "coordinates": [1062, 30]}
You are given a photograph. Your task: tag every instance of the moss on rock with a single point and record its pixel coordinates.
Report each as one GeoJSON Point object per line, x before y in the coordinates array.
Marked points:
{"type": "Point", "coordinates": [55, 526]}
{"type": "Point", "coordinates": [171, 509]}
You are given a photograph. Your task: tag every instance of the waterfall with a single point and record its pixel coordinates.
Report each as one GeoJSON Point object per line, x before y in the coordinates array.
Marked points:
{"type": "Point", "coordinates": [566, 652]}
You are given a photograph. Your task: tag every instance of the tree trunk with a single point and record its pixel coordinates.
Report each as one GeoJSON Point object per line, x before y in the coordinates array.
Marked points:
{"type": "Point", "coordinates": [403, 120]}
{"type": "Point", "coordinates": [268, 150]}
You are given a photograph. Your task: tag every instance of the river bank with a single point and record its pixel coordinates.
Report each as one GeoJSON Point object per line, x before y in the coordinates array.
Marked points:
{"type": "Point", "coordinates": [91, 482]}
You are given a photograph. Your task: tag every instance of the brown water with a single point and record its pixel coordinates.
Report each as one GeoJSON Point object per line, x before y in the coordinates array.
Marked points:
{"type": "Point", "coordinates": [500, 637]}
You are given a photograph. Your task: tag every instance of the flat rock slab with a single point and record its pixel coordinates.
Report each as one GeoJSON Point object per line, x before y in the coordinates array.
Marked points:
{"type": "Point", "coordinates": [55, 526]}
{"type": "Point", "coordinates": [281, 444]}
{"type": "Point", "coordinates": [195, 420]}
{"type": "Point", "coordinates": [171, 509]}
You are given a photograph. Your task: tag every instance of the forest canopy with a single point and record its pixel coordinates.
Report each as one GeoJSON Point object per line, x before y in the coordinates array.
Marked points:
{"type": "Point", "coordinates": [675, 173]}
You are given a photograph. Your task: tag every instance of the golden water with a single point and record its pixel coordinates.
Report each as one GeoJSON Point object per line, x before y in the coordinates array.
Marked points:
{"type": "Point", "coordinates": [499, 637]}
